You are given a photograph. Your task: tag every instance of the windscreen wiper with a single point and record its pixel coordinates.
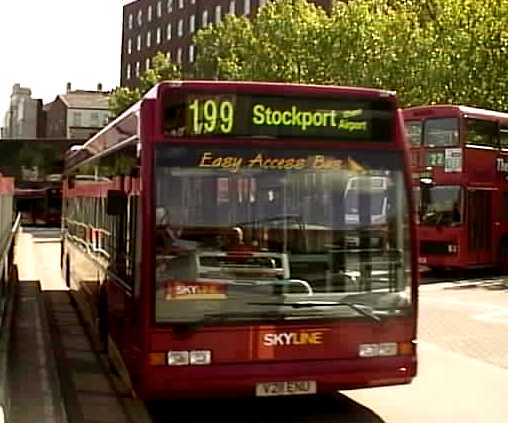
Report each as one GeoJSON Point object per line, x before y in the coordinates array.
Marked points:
{"type": "Point", "coordinates": [362, 309]}
{"type": "Point", "coordinates": [227, 317]}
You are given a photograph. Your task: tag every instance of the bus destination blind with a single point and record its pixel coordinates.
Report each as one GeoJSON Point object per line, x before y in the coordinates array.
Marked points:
{"type": "Point", "coordinates": [233, 115]}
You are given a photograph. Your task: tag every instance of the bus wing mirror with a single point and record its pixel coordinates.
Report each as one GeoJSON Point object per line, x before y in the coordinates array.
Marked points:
{"type": "Point", "coordinates": [116, 202]}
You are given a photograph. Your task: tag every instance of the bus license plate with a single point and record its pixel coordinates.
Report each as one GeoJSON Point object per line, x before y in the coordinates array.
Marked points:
{"type": "Point", "coordinates": [297, 387]}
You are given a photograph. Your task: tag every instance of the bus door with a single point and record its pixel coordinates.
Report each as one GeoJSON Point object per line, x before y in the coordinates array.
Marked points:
{"type": "Point", "coordinates": [479, 225]}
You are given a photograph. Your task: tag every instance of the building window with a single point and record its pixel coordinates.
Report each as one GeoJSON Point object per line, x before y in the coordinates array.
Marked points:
{"type": "Point", "coordinates": [192, 23]}
{"type": "Point", "coordinates": [149, 14]}
{"type": "Point", "coordinates": [94, 119]}
{"type": "Point", "coordinates": [180, 4]}
{"type": "Point", "coordinates": [159, 35]}
{"type": "Point", "coordinates": [140, 17]}
{"type": "Point", "coordinates": [180, 28]}
{"type": "Point", "coordinates": [261, 3]}
{"type": "Point", "coordinates": [159, 9]}
{"type": "Point", "coordinates": [147, 64]}
{"type": "Point", "coordinates": [138, 42]}
{"type": "Point", "coordinates": [168, 56]}
{"type": "Point", "coordinates": [191, 52]}
{"type": "Point", "coordinates": [170, 6]}
{"type": "Point", "coordinates": [128, 71]}
{"type": "Point", "coordinates": [179, 55]}
{"type": "Point", "coordinates": [76, 119]}
{"type": "Point", "coordinates": [168, 31]}
{"type": "Point", "coordinates": [193, 2]}
{"type": "Point", "coordinates": [137, 69]}
{"type": "Point", "coordinates": [204, 20]}
{"type": "Point", "coordinates": [217, 14]}
{"type": "Point", "coordinates": [129, 46]}
{"type": "Point", "coordinates": [246, 7]}
{"type": "Point", "coordinates": [148, 39]}
{"type": "Point", "coordinates": [232, 5]}
{"type": "Point", "coordinates": [130, 21]}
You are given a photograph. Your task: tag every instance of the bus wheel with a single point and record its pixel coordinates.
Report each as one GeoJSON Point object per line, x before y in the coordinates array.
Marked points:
{"type": "Point", "coordinates": [68, 272]}
{"type": "Point", "coordinates": [103, 321]}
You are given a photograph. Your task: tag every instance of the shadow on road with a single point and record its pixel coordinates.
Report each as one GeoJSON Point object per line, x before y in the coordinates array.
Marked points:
{"type": "Point", "coordinates": [467, 279]}
{"type": "Point", "coordinates": [339, 409]}
{"type": "Point", "coordinates": [43, 234]}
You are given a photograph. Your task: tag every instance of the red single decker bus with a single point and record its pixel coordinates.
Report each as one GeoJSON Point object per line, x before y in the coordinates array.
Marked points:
{"type": "Point", "coordinates": [460, 168]}
{"type": "Point", "coordinates": [248, 239]}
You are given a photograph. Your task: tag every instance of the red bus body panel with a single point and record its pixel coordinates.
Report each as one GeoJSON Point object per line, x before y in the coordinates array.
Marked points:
{"type": "Point", "coordinates": [239, 357]}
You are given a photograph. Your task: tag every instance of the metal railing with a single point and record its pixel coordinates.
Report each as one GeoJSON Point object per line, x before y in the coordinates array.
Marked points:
{"type": "Point", "coordinates": [8, 279]}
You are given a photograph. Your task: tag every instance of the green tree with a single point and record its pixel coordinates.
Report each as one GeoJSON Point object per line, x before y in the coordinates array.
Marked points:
{"type": "Point", "coordinates": [279, 44]}
{"type": "Point", "coordinates": [429, 51]}
{"type": "Point", "coordinates": [162, 69]}
{"type": "Point", "coordinates": [224, 49]}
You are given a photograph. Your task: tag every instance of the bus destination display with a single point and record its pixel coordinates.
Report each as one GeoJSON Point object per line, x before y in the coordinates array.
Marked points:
{"type": "Point", "coordinates": [278, 117]}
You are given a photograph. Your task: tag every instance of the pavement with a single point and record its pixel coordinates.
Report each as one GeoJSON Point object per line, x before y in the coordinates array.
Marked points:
{"type": "Point", "coordinates": [462, 358]}
{"type": "Point", "coordinates": [55, 372]}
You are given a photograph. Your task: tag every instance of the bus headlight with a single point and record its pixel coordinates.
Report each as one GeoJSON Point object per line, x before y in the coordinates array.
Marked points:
{"type": "Point", "coordinates": [368, 350]}
{"type": "Point", "coordinates": [178, 358]}
{"type": "Point", "coordinates": [384, 349]}
{"type": "Point", "coordinates": [200, 357]}
{"type": "Point", "coordinates": [388, 349]}
{"type": "Point", "coordinates": [194, 358]}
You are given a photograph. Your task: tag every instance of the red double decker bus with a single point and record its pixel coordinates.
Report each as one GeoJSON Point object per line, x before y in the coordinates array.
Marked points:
{"type": "Point", "coordinates": [460, 168]}
{"type": "Point", "coordinates": [248, 239]}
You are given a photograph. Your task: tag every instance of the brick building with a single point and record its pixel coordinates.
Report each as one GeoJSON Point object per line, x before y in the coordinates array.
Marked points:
{"type": "Point", "coordinates": [150, 26]}
{"type": "Point", "coordinates": [78, 114]}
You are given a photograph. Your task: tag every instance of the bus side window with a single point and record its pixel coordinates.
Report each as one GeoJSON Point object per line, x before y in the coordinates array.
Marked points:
{"type": "Point", "coordinates": [503, 136]}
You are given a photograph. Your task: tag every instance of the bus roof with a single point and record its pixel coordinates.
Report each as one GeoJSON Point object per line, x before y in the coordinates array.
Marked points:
{"type": "Point", "coordinates": [451, 110]}
{"type": "Point", "coordinates": [285, 87]}
{"type": "Point", "coordinates": [125, 127]}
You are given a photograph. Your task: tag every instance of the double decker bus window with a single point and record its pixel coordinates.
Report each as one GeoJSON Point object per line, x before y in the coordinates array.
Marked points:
{"type": "Point", "coordinates": [414, 131]}
{"type": "Point", "coordinates": [442, 132]}
{"type": "Point", "coordinates": [441, 205]}
{"type": "Point", "coordinates": [241, 115]}
{"type": "Point", "coordinates": [503, 136]}
{"type": "Point", "coordinates": [481, 132]}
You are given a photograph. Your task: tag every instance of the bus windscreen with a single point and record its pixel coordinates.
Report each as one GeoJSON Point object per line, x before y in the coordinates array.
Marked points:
{"type": "Point", "coordinates": [246, 115]}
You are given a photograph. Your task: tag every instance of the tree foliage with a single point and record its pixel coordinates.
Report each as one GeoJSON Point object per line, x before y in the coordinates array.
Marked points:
{"type": "Point", "coordinates": [429, 51]}
{"type": "Point", "coordinates": [162, 69]}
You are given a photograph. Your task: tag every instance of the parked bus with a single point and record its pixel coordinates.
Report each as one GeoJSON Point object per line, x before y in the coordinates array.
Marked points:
{"type": "Point", "coordinates": [208, 224]}
{"type": "Point", "coordinates": [39, 202]}
{"type": "Point", "coordinates": [460, 169]}
{"type": "Point", "coordinates": [36, 166]}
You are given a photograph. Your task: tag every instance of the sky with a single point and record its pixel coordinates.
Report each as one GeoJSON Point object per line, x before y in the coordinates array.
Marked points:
{"type": "Point", "coordinates": [45, 44]}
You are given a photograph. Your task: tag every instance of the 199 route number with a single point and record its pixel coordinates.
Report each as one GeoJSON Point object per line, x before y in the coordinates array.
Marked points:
{"type": "Point", "coordinates": [212, 116]}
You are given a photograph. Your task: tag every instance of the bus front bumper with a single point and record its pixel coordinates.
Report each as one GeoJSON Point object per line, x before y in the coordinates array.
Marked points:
{"type": "Point", "coordinates": [241, 380]}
